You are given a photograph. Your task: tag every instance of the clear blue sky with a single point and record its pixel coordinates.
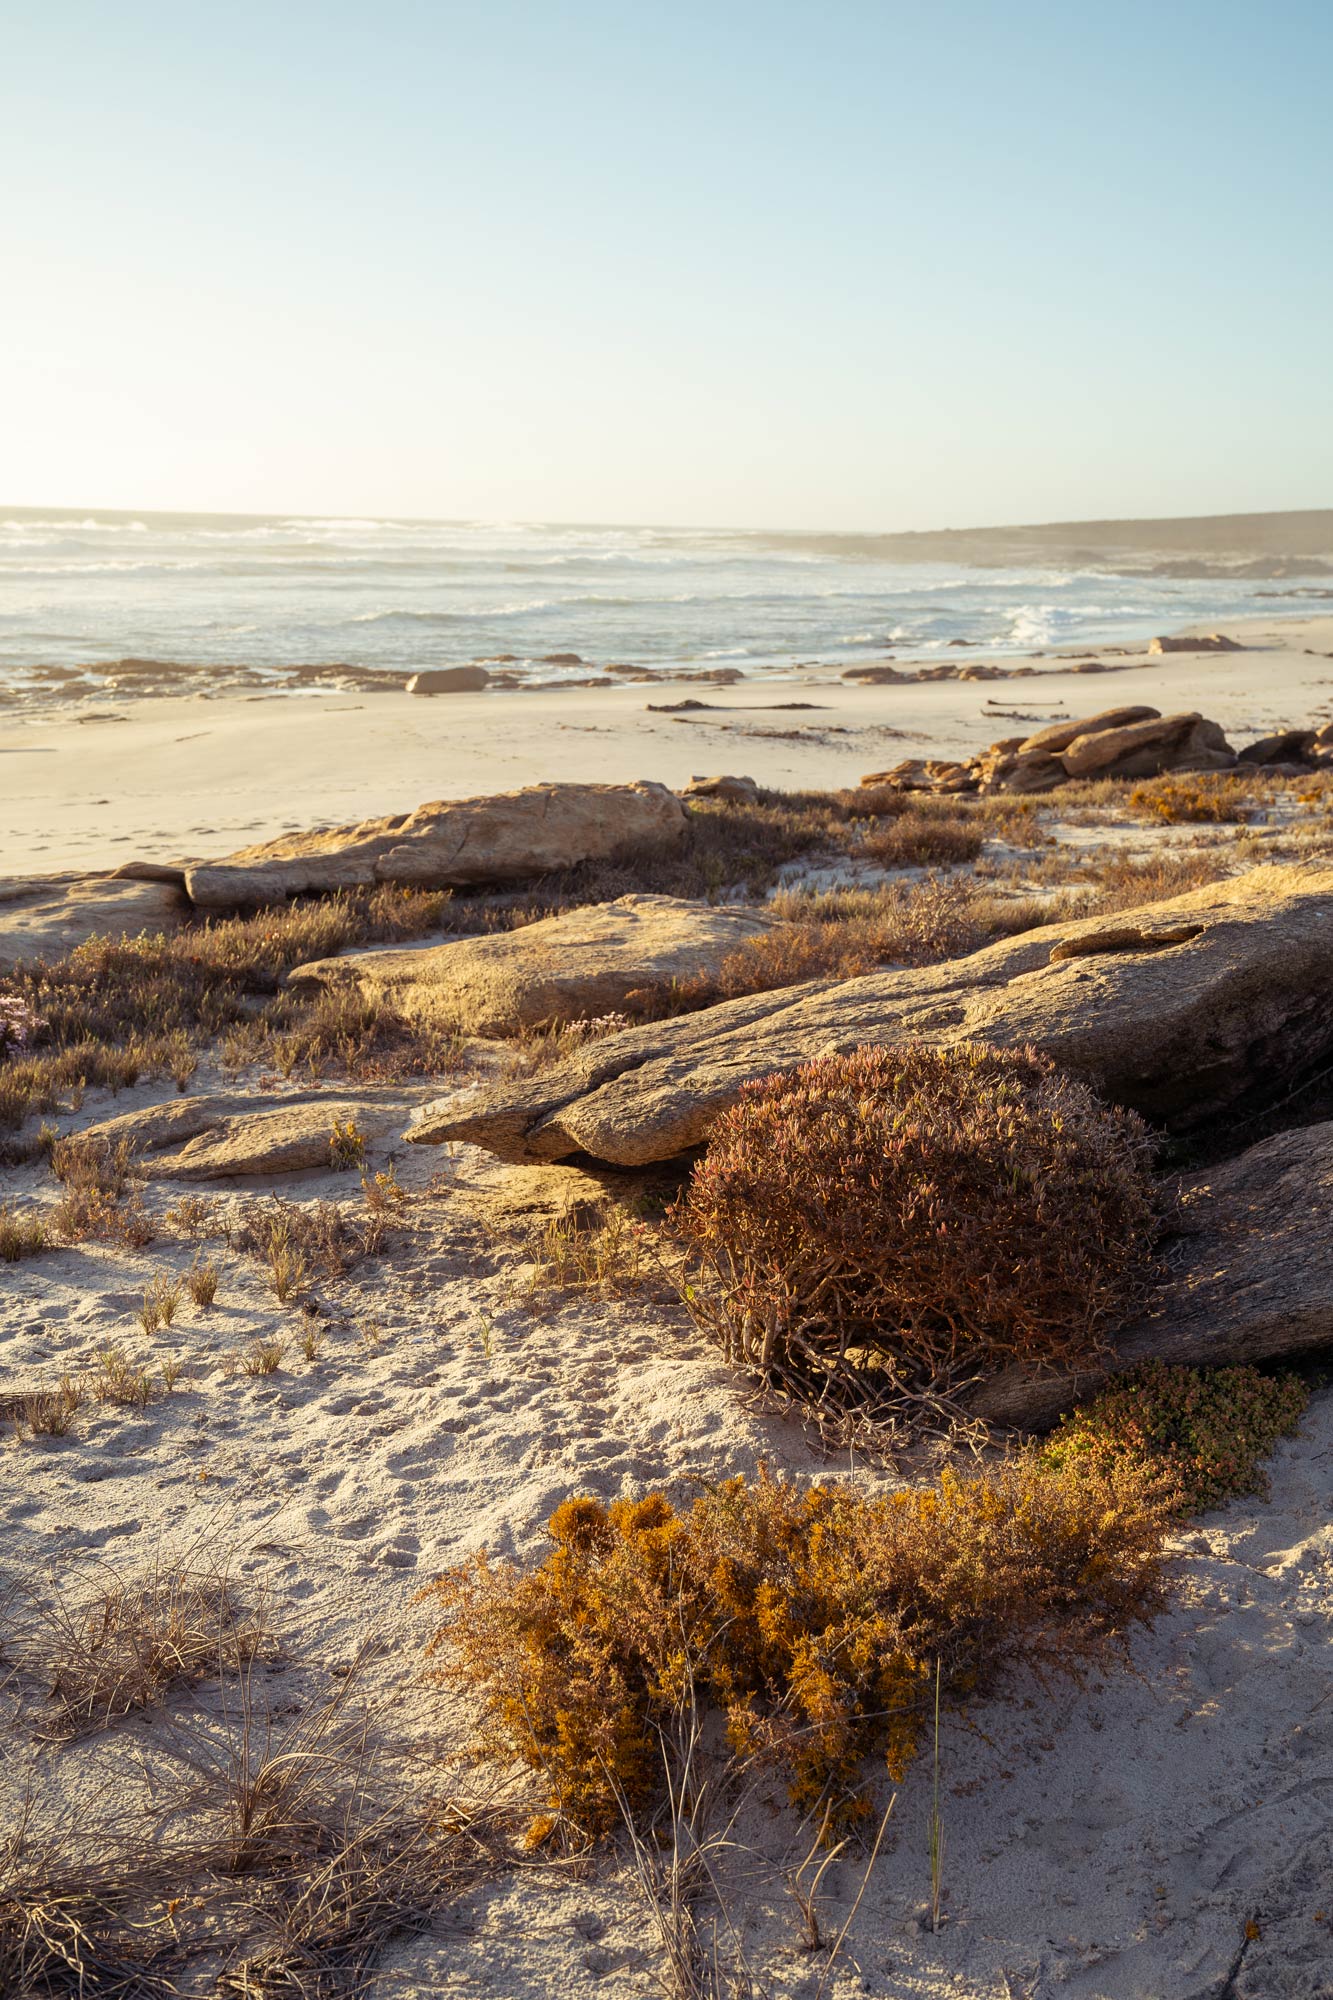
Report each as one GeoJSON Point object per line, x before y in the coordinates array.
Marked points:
{"type": "Point", "coordinates": [807, 265]}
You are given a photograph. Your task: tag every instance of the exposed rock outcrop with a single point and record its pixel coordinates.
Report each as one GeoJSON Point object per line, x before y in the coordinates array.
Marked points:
{"type": "Point", "coordinates": [450, 844]}
{"type": "Point", "coordinates": [1249, 1279]}
{"type": "Point", "coordinates": [740, 791]}
{"type": "Point", "coordinates": [600, 959]}
{"type": "Point", "coordinates": [449, 680]}
{"type": "Point", "coordinates": [229, 1137]}
{"type": "Point", "coordinates": [1135, 742]}
{"type": "Point", "coordinates": [1205, 1004]}
{"type": "Point", "coordinates": [1207, 642]}
{"type": "Point", "coordinates": [47, 919]}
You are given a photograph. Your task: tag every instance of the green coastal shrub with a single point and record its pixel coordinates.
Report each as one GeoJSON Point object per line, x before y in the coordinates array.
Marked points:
{"type": "Point", "coordinates": [930, 1212]}
{"type": "Point", "coordinates": [1199, 1432]}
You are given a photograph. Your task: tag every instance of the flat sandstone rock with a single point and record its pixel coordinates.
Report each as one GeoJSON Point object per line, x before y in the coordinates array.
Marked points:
{"type": "Point", "coordinates": [230, 1136]}
{"type": "Point", "coordinates": [47, 925]}
{"type": "Point", "coordinates": [450, 844]}
{"type": "Point", "coordinates": [1211, 1001]}
{"type": "Point", "coordinates": [587, 962]}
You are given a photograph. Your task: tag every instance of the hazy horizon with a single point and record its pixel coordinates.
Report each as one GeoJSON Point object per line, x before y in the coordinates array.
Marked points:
{"type": "Point", "coordinates": [848, 269]}
{"type": "Point", "coordinates": [862, 531]}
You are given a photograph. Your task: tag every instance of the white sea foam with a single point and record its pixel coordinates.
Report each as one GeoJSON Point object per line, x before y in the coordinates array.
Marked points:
{"type": "Point", "coordinates": [403, 594]}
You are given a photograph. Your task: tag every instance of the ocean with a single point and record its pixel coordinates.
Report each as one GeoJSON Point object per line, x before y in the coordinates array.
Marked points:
{"type": "Point", "coordinates": [401, 595]}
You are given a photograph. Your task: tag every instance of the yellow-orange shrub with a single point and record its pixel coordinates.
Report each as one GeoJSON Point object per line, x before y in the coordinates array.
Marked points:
{"type": "Point", "coordinates": [813, 1617]}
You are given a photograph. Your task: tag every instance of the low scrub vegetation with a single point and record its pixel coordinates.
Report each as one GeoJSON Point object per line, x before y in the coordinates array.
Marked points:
{"type": "Point", "coordinates": [126, 1642]}
{"type": "Point", "coordinates": [817, 1620]}
{"type": "Point", "coordinates": [914, 1216]}
{"type": "Point", "coordinates": [1188, 797]}
{"type": "Point", "coordinates": [1199, 1433]}
{"type": "Point", "coordinates": [22, 1233]}
{"type": "Point", "coordinates": [110, 1013]}
{"type": "Point", "coordinates": [923, 840]}
{"type": "Point", "coordinates": [300, 1242]}
{"type": "Point", "coordinates": [611, 1255]}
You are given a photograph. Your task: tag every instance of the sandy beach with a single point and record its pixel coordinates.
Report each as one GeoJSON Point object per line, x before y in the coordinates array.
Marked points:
{"type": "Point", "coordinates": [1155, 1833]}
{"type": "Point", "coordinates": [92, 787]}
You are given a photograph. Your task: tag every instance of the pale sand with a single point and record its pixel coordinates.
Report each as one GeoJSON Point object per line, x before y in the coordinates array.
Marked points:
{"type": "Point", "coordinates": [198, 777]}
{"type": "Point", "coordinates": [1110, 1843]}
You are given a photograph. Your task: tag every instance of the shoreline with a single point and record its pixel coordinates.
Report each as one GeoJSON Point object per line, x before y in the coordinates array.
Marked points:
{"type": "Point", "coordinates": [58, 686]}
{"type": "Point", "coordinates": [169, 778]}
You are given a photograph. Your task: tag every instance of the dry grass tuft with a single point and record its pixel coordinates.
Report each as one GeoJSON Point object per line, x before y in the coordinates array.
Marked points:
{"type": "Point", "coordinates": [43, 1412]}
{"type": "Point", "coordinates": [201, 1282]}
{"type": "Point", "coordinates": [923, 840]}
{"type": "Point", "coordinates": [903, 1218]}
{"type": "Point", "coordinates": [263, 1357]}
{"type": "Point", "coordinates": [815, 1619]}
{"type": "Point", "coordinates": [117, 1379]}
{"type": "Point", "coordinates": [111, 1013]}
{"type": "Point", "coordinates": [20, 1235]}
{"type": "Point", "coordinates": [126, 1642]}
{"type": "Point", "coordinates": [160, 1300]}
{"type": "Point", "coordinates": [614, 1256]}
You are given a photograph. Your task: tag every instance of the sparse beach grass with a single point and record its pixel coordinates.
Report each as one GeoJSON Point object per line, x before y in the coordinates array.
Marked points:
{"type": "Point", "coordinates": [817, 1623]}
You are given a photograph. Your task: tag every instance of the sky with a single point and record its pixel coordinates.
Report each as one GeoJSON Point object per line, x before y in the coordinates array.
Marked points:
{"type": "Point", "coordinates": [836, 265]}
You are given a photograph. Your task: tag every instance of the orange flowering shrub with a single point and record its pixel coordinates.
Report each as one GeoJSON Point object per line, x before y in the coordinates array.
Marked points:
{"type": "Point", "coordinates": [1198, 796]}
{"type": "Point", "coordinates": [1200, 1432]}
{"type": "Point", "coordinates": [812, 1617]}
{"type": "Point", "coordinates": [937, 1210]}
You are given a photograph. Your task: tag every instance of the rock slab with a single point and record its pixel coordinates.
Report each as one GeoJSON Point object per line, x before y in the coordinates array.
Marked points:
{"type": "Point", "coordinates": [1185, 1010]}
{"type": "Point", "coordinates": [450, 844]}
{"type": "Point", "coordinates": [606, 958]}
{"type": "Point", "coordinates": [226, 1137]}
{"type": "Point", "coordinates": [1250, 1278]}
{"type": "Point", "coordinates": [44, 921]}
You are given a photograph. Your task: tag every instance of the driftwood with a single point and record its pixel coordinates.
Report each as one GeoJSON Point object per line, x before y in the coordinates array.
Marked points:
{"type": "Point", "coordinates": [1250, 1278]}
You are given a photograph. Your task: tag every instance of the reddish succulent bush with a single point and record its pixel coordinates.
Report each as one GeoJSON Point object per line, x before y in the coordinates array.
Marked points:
{"type": "Point", "coordinates": [1200, 1432]}
{"type": "Point", "coordinates": [939, 1211]}
{"type": "Point", "coordinates": [814, 1618]}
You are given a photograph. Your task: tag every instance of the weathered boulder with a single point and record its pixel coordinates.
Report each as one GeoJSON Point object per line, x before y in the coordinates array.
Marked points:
{"type": "Point", "coordinates": [1144, 749]}
{"type": "Point", "coordinates": [1288, 746]}
{"type": "Point", "coordinates": [738, 791]}
{"type": "Point", "coordinates": [1130, 742]}
{"type": "Point", "coordinates": [1206, 642]}
{"type": "Point", "coordinates": [449, 680]}
{"type": "Point", "coordinates": [1249, 1278]}
{"type": "Point", "coordinates": [450, 844]}
{"type": "Point", "coordinates": [909, 776]}
{"type": "Point", "coordinates": [601, 959]}
{"type": "Point", "coordinates": [1058, 736]}
{"type": "Point", "coordinates": [1187, 1009]}
{"type": "Point", "coordinates": [224, 1137]}
{"type": "Point", "coordinates": [47, 919]}
{"type": "Point", "coordinates": [877, 676]}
